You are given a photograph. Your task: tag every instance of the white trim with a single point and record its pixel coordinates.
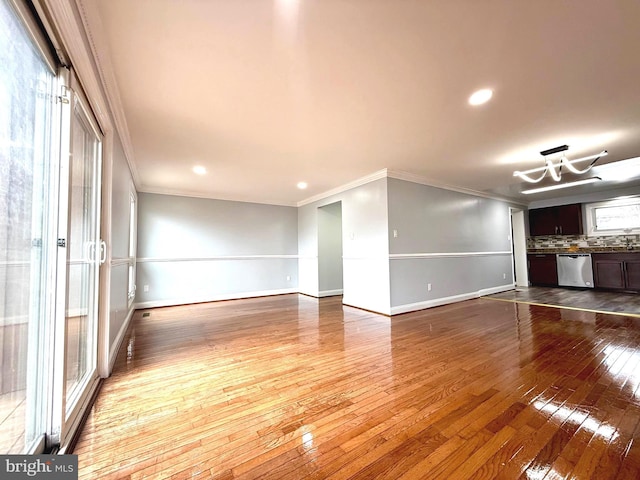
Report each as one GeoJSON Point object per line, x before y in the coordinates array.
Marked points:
{"type": "Point", "coordinates": [410, 177]}
{"type": "Point", "coordinates": [213, 298]}
{"type": "Point", "coordinates": [401, 256]}
{"type": "Point", "coordinates": [348, 302]}
{"type": "Point", "coordinates": [100, 59]}
{"type": "Point", "coordinates": [343, 188]}
{"type": "Point", "coordinates": [330, 293]}
{"type": "Point", "coordinates": [412, 307]}
{"type": "Point", "coordinates": [113, 350]}
{"type": "Point", "coordinates": [75, 424]}
{"type": "Point", "coordinates": [366, 257]}
{"type": "Point", "coordinates": [196, 194]}
{"type": "Point", "coordinates": [500, 288]}
{"type": "Point", "coordinates": [308, 293]}
{"type": "Point", "coordinates": [213, 258]}
{"type": "Point", "coordinates": [384, 173]}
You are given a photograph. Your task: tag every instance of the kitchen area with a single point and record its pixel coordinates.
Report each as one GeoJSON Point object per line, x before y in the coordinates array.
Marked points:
{"type": "Point", "coordinates": [579, 256]}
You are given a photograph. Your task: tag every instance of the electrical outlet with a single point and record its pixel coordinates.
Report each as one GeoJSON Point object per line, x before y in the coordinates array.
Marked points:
{"type": "Point", "coordinates": [428, 287]}
{"type": "Point", "coordinates": [504, 275]}
{"type": "Point", "coordinates": [395, 234]}
{"type": "Point", "coordinates": [145, 288]}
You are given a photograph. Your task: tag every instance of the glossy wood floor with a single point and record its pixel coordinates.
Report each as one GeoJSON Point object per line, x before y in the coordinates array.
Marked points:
{"type": "Point", "coordinates": [291, 387]}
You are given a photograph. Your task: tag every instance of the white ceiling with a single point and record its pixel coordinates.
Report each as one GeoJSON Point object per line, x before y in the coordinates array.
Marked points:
{"type": "Point", "coordinates": [265, 94]}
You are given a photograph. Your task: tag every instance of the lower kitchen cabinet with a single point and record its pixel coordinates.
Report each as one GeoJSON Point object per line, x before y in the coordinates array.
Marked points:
{"type": "Point", "coordinates": [619, 271]}
{"type": "Point", "coordinates": [632, 268]}
{"type": "Point", "coordinates": [543, 269]}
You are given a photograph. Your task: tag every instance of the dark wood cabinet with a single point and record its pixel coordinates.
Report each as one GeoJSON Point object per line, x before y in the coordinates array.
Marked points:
{"type": "Point", "coordinates": [632, 268]}
{"type": "Point", "coordinates": [618, 271]}
{"type": "Point", "coordinates": [561, 220]}
{"type": "Point", "coordinates": [542, 269]}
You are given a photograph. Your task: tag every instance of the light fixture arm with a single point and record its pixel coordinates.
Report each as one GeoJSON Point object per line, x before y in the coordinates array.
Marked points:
{"type": "Point", "coordinates": [555, 174]}
{"type": "Point", "coordinates": [555, 169]}
{"type": "Point", "coordinates": [527, 178]}
{"type": "Point", "coordinates": [569, 164]}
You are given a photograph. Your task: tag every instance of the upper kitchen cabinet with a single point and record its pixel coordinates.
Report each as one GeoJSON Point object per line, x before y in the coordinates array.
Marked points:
{"type": "Point", "coordinates": [561, 220]}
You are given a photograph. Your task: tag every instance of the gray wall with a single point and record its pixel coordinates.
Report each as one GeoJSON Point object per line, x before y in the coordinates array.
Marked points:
{"type": "Point", "coordinates": [122, 187]}
{"type": "Point", "coordinates": [193, 249]}
{"type": "Point", "coordinates": [330, 249]}
{"type": "Point", "coordinates": [458, 243]}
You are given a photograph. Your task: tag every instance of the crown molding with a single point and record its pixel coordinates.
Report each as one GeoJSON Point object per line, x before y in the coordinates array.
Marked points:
{"type": "Point", "coordinates": [343, 188]}
{"type": "Point", "coordinates": [410, 177]}
{"type": "Point", "coordinates": [195, 194]}
{"type": "Point", "coordinates": [407, 177]}
{"type": "Point", "coordinates": [104, 70]}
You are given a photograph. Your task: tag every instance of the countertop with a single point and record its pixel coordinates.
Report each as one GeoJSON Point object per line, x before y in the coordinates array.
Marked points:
{"type": "Point", "coordinates": [583, 250]}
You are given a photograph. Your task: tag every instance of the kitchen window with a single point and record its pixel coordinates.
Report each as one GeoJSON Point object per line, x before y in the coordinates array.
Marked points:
{"type": "Point", "coordinates": [614, 217]}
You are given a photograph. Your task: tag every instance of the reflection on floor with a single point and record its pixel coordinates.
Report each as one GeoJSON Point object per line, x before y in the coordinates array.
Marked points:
{"type": "Point", "coordinates": [596, 300]}
{"type": "Point", "coordinates": [296, 388]}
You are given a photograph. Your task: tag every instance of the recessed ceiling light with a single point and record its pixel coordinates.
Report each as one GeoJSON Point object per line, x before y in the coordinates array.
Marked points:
{"type": "Point", "coordinates": [199, 170]}
{"type": "Point", "coordinates": [302, 185]}
{"type": "Point", "coordinates": [481, 96]}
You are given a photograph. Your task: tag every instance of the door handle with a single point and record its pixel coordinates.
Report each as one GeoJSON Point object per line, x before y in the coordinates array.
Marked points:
{"type": "Point", "coordinates": [103, 252]}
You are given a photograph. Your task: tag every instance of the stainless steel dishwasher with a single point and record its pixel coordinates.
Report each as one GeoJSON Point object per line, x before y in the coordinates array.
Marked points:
{"type": "Point", "coordinates": [575, 270]}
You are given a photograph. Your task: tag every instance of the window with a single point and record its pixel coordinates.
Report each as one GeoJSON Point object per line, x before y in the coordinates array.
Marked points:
{"type": "Point", "coordinates": [614, 217]}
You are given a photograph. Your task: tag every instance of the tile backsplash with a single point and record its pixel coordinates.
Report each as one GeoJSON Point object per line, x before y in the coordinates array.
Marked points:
{"type": "Point", "coordinates": [583, 241]}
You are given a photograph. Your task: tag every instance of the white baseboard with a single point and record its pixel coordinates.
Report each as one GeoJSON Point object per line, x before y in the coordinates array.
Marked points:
{"type": "Point", "coordinates": [113, 351]}
{"type": "Point", "coordinates": [409, 307]}
{"type": "Point", "coordinates": [212, 298]}
{"type": "Point", "coordinates": [498, 289]}
{"type": "Point", "coordinates": [330, 293]}
{"type": "Point", "coordinates": [412, 307]}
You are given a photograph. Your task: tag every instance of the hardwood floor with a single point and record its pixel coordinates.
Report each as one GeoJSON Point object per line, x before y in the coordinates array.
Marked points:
{"type": "Point", "coordinates": [292, 387]}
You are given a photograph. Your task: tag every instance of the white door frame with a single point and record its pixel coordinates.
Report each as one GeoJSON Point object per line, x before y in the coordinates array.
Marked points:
{"type": "Point", "coordinates": [519, 247]}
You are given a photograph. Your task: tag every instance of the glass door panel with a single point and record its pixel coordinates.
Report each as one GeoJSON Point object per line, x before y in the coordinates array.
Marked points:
{"type": "Point", "coordinates": [83, 259]}
{"type": "Point", "coordinates": [26, 109]}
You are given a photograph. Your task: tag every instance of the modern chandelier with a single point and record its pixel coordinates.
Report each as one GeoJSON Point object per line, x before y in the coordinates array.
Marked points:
{"type": "Point", "coordinates": [555, 169]}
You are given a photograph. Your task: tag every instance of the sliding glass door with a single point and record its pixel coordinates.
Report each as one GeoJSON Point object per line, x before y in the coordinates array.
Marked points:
{"type": "Point", "coordinates": [81, 251]}
{"type": "Point", "coordinates": [27, 229]}
{"type": "Point", "coordinates": [50, 248]}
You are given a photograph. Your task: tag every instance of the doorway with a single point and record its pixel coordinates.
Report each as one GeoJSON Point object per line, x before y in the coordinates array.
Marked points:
{"type": "Point", "coordinates": [330, 272]}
